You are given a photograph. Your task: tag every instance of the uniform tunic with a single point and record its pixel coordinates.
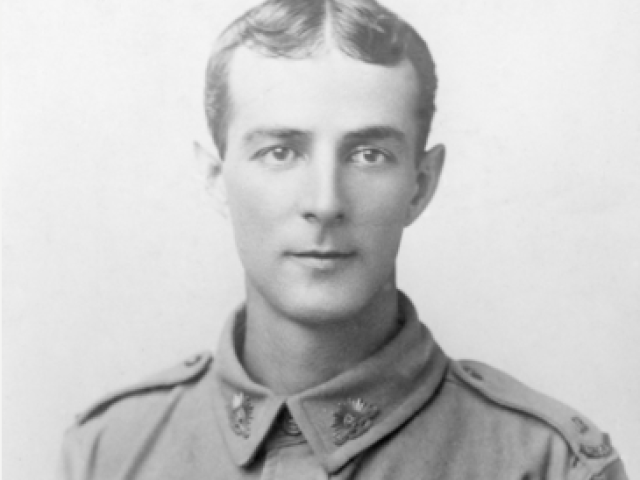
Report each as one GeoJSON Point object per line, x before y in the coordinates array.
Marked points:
{"type": "Point", "coordinates": [406, 412]}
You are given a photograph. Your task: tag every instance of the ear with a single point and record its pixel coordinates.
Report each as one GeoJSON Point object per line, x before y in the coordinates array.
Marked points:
{"type": "Point", "coordinates": [428, 170]}
{"type": "Point", "coordinates": [211, 165]}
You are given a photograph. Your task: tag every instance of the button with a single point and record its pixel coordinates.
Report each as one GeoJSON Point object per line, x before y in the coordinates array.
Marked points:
{"type": "Point", "coordinates": [289, 425]}
{"type": "Point", "coordinates": [241, 414]}
{"type": "Point", "coordinates": [192, 361]}
{"type": "Point", "coordinates": [580, 425]}
{"type": "Point", "coordinates": [472, 372]}
{"type": "Point", "coordinates": [352, 419]}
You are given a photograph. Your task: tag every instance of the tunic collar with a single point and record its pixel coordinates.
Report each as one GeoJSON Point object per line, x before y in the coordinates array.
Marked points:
{"type": "Point", "coordinates": [342, 417]}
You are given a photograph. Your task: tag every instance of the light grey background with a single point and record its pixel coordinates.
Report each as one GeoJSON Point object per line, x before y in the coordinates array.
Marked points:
{"type": "Point", "coordinates": [116, 264]}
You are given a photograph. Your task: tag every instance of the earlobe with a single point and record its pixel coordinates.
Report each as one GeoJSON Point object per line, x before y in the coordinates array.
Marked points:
{"type": "Point", "coordinates": [428, 172]}
{"type": "Point", "coordinates": [211, 165]}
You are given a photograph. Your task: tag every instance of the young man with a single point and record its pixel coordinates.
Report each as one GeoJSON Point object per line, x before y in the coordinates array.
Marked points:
{"type": "Point", "coordinates": [320, 111]}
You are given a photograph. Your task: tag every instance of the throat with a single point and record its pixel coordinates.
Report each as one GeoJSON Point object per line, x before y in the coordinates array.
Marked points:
{"type": "Point", "coordinates": [289, 357]}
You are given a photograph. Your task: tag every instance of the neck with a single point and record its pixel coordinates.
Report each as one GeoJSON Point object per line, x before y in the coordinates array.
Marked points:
{"type": "Point", "coordinates": [289, 356]}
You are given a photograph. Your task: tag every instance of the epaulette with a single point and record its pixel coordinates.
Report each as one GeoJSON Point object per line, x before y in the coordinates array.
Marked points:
{"type": "Point", "coordinates": [589, 445]}
{"type": "Point", "coordinates": [179, 374]}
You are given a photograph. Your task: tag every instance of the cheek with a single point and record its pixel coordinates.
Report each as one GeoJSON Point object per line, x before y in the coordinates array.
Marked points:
{"type": "Point", "coordinates": [383, 203]}
{"type": "Point", "coordinates": [256, 208]}
{"type": "Point", "coordinates": [251, 228]}
{"type": "Point", "coordinates": [381, 219]}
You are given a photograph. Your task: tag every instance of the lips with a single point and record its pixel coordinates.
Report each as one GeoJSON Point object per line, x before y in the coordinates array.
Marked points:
{"type": "Point", "coordinates": [329, 255]}
{"type": "Point", "coordinates": [322, 259]}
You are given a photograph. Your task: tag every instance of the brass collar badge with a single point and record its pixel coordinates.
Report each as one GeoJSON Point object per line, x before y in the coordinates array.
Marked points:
{"type": "Point", "coordinates": [352, 419]}
{"type": "Point", "coordinates": [241, 414]}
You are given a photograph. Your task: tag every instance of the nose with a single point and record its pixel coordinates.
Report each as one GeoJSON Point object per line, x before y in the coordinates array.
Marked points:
{"type": "Point", "coordinates": [322, 194]}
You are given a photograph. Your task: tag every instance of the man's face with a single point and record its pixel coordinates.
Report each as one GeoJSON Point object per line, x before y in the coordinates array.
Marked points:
{"type": "Point", "coordinates": [321, 176]}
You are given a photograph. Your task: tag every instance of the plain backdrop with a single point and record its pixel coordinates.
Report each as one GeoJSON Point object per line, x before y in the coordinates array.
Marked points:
{"type": "Point", "coordinates": [117, 265]}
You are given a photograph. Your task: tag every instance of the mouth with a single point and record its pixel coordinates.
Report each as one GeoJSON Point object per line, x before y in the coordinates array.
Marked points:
{"type": "Point", "coordinates": [322, 259]}
{"type": "Point", "coordinates": [323, 255]}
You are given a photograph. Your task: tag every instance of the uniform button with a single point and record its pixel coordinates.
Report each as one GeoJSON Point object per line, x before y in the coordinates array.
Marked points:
{"type": "Point", "coordinates": [472, 372]}
{"type": "Point", "coordinates": [193, 360]}
{"type": "Point", "coordinates": [580, 425]}
{"type": "Point", "coordinates": [289, 425]}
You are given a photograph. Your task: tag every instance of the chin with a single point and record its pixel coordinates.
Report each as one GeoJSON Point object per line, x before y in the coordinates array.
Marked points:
{"type": "Point", "coordinates": [325, 304]}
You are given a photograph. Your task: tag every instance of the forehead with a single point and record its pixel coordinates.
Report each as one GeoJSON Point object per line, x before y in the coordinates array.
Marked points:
{"type": "Point", "coordinates": [327, 94]}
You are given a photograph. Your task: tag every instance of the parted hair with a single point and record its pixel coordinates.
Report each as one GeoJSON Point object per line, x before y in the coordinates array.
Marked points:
{"type": "Point", "coordinates": [297, 29]}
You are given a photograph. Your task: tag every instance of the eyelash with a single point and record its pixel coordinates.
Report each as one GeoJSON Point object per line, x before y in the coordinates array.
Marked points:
{"type": "Point", "coordinates": [261, 154]}
{"type": "Point", "coordinates": [266, 151]}
{"type": "Point", "coordinates": [388, 157]}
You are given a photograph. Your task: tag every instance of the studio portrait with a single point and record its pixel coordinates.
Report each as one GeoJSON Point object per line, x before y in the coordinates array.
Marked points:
{"type": "Point", "coordinates": [321, 239]}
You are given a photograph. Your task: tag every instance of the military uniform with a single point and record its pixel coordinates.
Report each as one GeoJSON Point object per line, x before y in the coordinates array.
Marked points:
{"type": "Point", "coordinates": [407, 412]}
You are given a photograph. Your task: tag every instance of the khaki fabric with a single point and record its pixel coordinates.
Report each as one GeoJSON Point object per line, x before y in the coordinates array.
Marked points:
{"type": "Point", "coordinates": [407, 412]}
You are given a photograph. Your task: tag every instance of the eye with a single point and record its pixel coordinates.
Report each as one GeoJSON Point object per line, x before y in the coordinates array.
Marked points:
{"type": "Point", "coordinates": [278, 155]}
{"type": "Point", "coordinates": [371, 156]}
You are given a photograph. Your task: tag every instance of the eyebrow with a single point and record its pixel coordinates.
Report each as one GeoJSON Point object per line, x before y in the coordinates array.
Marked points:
{"type": "Point", "coordinates": [374, 132]}
{"type": "Point", "coordinates": [280, 133]}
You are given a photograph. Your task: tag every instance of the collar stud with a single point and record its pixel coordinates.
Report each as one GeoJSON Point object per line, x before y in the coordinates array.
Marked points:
{"type": "Point", "coordinates": [288, 425]}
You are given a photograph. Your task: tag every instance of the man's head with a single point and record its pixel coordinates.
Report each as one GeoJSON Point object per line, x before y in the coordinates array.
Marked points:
{"type": "Point", "coordinates": [299, 29]}
{"type": "Point", "coordinates": [323, 164]}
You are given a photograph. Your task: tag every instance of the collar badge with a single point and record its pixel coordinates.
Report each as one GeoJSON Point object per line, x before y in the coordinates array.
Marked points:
{"type": "Point", "coordinates": [352, 419]}
{"type": "Point", "coordinates": [241, 414]}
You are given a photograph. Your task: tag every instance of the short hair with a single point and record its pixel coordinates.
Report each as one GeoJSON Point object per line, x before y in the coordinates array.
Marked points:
{"type": "Point", "coordinates": [296, 29]}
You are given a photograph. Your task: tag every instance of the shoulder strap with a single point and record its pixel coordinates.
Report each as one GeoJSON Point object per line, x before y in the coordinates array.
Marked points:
{"type": "Point", "coordinates": [182, 373]}
{"type": "Point", "coordinates": [591, 446]}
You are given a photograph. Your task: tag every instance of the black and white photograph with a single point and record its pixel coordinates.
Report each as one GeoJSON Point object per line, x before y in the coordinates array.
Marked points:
{"type": "Point", "coordinates": [320, 239]}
